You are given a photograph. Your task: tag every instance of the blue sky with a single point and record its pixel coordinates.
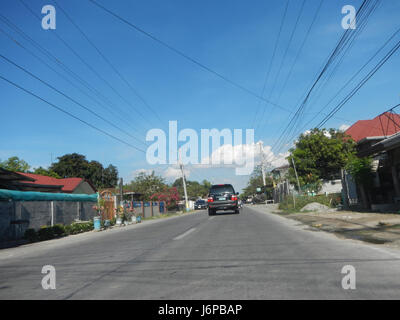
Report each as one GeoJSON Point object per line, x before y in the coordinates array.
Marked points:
{"type": "Point", "coordinates": [234, 38]}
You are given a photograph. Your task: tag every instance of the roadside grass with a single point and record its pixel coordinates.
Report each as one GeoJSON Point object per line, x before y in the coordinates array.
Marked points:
{"type": "Point", "coordinates": [287, 205]}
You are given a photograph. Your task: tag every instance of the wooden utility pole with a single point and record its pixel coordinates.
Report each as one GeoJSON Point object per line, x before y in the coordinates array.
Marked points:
{"type": "Point", "coordinates": [297, 177]}
{"type": "Point", "coordinates": [262, 162]}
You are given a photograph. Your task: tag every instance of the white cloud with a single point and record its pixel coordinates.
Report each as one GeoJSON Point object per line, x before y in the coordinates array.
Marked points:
{"type": "Point", "coordinates": [138, 171]}
{"type": "Point", "coordinates": [230, 156]}
{"type": "Point", "coordinates": [174, 172]}
{"type": "Point", "coordinates": [344, 127]}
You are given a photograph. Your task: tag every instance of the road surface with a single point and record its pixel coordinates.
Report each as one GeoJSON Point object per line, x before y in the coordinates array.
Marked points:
{"type": "Point", "coordinates": [253, 255]}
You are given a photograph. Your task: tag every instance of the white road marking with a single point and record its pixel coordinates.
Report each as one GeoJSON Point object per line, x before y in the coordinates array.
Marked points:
{"type": "Point", "coordinates": [184, 234]}
{"type": "Point", "coordinates": [211, 218]}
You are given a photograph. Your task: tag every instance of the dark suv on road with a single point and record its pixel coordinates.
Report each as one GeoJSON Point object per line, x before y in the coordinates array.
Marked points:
{"type": "Point", "coordinates": [222, 197]}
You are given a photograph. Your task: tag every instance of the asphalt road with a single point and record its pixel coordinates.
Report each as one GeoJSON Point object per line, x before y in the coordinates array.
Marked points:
{"type": "Point", "coordinates": [253, 255]}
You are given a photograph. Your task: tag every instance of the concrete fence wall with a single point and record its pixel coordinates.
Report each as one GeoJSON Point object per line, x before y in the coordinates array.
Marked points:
{"type": "Point", "coordinates": [149, 209]}
{"type": "Point", "coordinates": [17, 216]}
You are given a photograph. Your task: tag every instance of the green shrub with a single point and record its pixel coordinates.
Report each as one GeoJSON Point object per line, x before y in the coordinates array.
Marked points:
{"type": "Point", "coordinates": [78, 227]}
{"type": "Point", "coordinates": [58, 230]}
{"type": "Point", "coordinates": [31, 235]}
{"type": "Point", "coordinates": [45, 233]}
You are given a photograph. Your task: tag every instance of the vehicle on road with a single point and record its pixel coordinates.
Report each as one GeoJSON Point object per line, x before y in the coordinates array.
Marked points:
{"type": "Point", "coordinates": [200, 204]}
{"type": "Point", "coordinates": [222, 197]}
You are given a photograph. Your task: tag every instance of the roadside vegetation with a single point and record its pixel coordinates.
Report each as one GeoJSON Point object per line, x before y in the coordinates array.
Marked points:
{"type": "Point", "coordinates": [57, 231]}
{"type": "Point", "coordinates": [287, 205]}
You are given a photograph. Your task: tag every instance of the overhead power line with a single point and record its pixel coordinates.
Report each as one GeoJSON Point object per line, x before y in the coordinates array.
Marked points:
{"type": "Point", "coordinates": [112, 66]}
{"type": "Point", "coordinates": [300, 49]}
{"type": "Point", "coordinates": [271, 60]}
{"type": "Point", "coordinates": [360, 84]}
{"type": "Point", "coordinates": [340, 46]}
{"type": "Point", "coordinates": [350, 80]}
{"type": "Point", "coordinates": [92, 69]}
{"type": "Point", "coordinates": [59, 62]}
{"type": "Point", "coordinates": [187, 57]}
{"type": "Point", "coordinates": [284, 55]}
{"type": "Point", "coordinates": [68, 97]}
{"type": "Point", "coordinates": [70, 114]}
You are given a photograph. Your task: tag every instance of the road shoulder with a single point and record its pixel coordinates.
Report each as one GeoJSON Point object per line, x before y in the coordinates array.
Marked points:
{"type": "Point", "coordinates": [38, 247]}
{"type": "Point", "coordinates": [372, 228]}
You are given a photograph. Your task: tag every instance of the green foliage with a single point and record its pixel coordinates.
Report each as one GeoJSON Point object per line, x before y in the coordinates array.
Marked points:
{"type": "Point", "coordinates": [361, 170]}
{"type": "Point", "coordinates": [146, 184]}
{"type": "Point", "coordinates": [331, 200]}
{"type": "Point", "coordinates": [256, 181]}
{"type": "Point", "coordinates": [31, 235]}
{"type": "Point", "coordinates": [76, 165]}
{"type": "Point", "coordinates": [46, 233]}
{"type": "Point", "coordinates": [45, 172]}
{"type": "Point", "coordinates": [15, 164]}
{"type": "Point", "coordinates": [78, 227]}
{"type": "Point", "coordinates": [194, 189]}
{"type": "Point", "coordinates": [320, 154]}
{"type": "Point", "coordinates": [58, 230]}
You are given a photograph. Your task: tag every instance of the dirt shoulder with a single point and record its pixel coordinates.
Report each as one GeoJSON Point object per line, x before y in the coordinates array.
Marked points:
{"type": "Point", "coordinates": [377, 228]}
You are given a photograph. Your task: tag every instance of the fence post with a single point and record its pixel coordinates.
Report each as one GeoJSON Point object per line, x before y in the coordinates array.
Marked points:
{"type": "Point", "coordinates": [52, 213]}
{"type": "Point", "coordinates": [78, 210]}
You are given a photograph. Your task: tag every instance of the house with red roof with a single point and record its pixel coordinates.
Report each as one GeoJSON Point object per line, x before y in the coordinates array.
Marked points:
{"type": "Point", "coordinates": [381, 127]}
{"type": "Point", "coordinates": [379, 138]}
{"type": "Point", "coordinates": [66, 185]}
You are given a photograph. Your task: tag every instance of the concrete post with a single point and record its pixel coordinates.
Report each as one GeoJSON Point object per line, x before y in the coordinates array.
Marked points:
{"type": "Point", "coordinates": [52, 213]}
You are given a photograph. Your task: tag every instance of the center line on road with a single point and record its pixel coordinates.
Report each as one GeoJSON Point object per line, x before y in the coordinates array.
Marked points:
{"type": "Point", "coordinates": [184, 234]}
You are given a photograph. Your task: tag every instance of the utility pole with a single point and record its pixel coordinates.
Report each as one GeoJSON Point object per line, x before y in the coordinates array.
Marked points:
{"type": "Point", "coordinates": [121, 191]}
{"type": "Point", "coordinates": [297, 177]}
{"type": "Point", "coordinates": [184, 187]}
{"type": "Point", "coordinates": [183, 182]}
{"type": "Point", "coordinates": [262, 162]}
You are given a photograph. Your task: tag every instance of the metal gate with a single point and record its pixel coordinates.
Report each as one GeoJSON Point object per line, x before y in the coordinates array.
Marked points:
{"type": "Point", "coordinates": [108, 198]}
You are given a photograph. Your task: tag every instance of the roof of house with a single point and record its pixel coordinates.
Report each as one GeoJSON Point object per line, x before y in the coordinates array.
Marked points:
{"type": "Point", "coordinates": [12, 176]}
{"type": "Point", "coordinates": [384, 125]}
{"type": "Point", "coordinates": [68, 184]}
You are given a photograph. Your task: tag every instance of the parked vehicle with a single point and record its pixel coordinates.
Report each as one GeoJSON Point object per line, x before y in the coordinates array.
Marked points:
{"type": "Point", "coordinates": [222, 197]}
{"type": "Point", "coordinates": [200, 204]}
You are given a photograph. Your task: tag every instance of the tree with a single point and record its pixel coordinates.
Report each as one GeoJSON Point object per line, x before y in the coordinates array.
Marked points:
{"type": "Point", "coordinates": [146, 184]}
{"type": "Point", "coordinates": [71, 165]}
{"type": "Point", "coordinates": [320, 154]}
{"type": "Point", "coordinates": [361, 170]}
{"type": "Point", "coordinates": [45, 172]}
{"type": "Point", "coordinates": [169, 194]}
{"type": "Point", "coordinates": [255, 182]}
{"type": "Point", "coordinates": [110, 176]}
{"type": "Point", "coordinates": [15, 164]}
{"type": "Point", "coordinates": [76, 165]}
{"type": "Point", "coordinates": [194, 188]}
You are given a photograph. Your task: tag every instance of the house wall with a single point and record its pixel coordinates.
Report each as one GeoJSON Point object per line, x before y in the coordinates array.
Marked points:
{"type": "Point", "coordinates": [331, 186]}
{"type": "Point", "coordinates": [84, 188]}
{"type": "Point", "coordinates": [17, 216]}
